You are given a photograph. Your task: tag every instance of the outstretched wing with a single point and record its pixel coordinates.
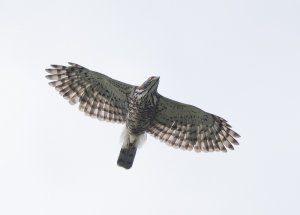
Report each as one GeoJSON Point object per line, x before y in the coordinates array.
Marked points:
{"type": "Point", "coordinates": [188, 127]}
{"type": "Point", "coordinates": [99, 95]}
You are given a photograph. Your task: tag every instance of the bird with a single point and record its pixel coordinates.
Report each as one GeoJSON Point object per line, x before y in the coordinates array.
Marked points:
{"type": "Point", "coordinates": [143, 111]}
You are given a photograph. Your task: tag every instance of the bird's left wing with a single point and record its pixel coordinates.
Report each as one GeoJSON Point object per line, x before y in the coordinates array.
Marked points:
{"type": "Point", "coordinates": [99, 95]}
{"type": "Point", "coordinates": [188, 127]}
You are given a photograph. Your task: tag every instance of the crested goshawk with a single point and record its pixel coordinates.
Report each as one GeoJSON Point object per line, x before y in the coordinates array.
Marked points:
{"type": "Point", "coordinates": [143, 110]}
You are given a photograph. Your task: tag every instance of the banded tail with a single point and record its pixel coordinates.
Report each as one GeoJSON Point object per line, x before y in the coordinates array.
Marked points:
{"type": "Point", "coordinates": [130, 144]}
{"type": "Point", "coordinates": [126, 156]}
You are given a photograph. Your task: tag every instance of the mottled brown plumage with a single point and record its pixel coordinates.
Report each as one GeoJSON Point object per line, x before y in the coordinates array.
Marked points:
{"type": "Point", "coordinates": [143, 110]}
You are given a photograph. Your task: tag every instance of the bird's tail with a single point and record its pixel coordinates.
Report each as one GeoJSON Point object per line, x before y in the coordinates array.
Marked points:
{"type": "Point", "coordinates": [129, 148]}
{"type": "Point", "coordinates": [126, 156]}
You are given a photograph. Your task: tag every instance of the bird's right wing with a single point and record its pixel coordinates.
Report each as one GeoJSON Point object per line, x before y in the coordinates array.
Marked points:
{"type": "Point", "coordinates": [188, 127]}
{"type": "Point", "coordinates": [99, 95]}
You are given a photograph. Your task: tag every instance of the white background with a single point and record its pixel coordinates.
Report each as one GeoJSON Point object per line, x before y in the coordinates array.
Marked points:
{"type": "Point", "coordinates": [237, 59]}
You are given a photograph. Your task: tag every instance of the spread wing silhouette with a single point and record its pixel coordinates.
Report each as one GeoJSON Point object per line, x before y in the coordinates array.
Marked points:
{"type": "Point", "coordinates": [188, 127]}
{"type": "Point", "coordinates": [99, 95]}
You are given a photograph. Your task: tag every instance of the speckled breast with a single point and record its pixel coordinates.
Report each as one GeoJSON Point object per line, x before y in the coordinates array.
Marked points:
{"type": "Point", "coordinates": [141, 111]}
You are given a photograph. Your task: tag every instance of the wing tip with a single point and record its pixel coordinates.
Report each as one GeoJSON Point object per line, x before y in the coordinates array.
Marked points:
{"type": "Point", "coordinates": [237, 135]}
{"type": "Point", "coordinates": [52, 84]}
{"type": "Point", "coordinates": [50, 77]}
{"type": "Point", "coordinates": [76, 65]}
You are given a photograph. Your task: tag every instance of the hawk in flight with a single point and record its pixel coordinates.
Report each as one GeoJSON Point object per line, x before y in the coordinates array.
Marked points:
{"type": "Point", "coordinates": [143, 110]}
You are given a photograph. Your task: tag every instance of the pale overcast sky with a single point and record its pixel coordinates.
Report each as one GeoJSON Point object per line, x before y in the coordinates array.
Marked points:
{"type": "Point", "coordinates": [237, 59]}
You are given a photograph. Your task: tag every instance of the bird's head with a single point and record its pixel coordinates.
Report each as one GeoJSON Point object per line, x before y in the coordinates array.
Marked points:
{"type": "Point", "coordinates": [149, 86]}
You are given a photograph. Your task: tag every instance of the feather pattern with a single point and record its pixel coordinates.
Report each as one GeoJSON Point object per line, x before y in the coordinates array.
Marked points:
{"type": "Point", "coordinates": [143, 110]}
{"type": "Point", "coordinates": [187, 127]}
{"type": "Point", "coordinates": [98, 95]}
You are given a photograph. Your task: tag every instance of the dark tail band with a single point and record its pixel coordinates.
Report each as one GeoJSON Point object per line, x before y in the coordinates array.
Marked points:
{"type": "Point", "coordinates": [126, 156]}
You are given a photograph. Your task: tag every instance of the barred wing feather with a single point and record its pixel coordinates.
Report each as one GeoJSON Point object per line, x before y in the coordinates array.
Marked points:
{"type": "Point", "coordinates": [99, 95]}
{"type": "Point", "coordinates": [188, 127]}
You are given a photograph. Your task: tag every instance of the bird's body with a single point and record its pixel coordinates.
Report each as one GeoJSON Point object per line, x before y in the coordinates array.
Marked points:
{"type": "Point", "coordinates": [143, 110]}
